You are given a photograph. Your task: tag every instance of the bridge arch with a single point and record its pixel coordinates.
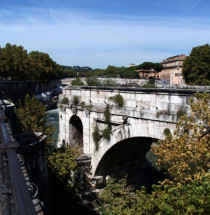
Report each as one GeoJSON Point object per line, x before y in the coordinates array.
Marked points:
{"type": "Point", "coordinates": [145, 130]}
{"type": "Point", "coordinates": [75, 132]}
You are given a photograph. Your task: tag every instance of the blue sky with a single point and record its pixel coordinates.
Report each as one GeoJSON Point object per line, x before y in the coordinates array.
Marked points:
{"type": "Point", "coordinates": [99, 33]}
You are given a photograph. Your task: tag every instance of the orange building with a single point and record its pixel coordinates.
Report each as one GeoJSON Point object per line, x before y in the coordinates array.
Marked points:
{"type": "Point", "coordinates": [172, 70]}
{"type": "Point", "coordinates": [146, 73]}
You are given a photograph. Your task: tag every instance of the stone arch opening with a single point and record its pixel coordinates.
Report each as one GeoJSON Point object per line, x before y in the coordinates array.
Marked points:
{"type": "Point", "coordinates": [128, 158]}
{"type": "Point", "coordinates": [75, 132]}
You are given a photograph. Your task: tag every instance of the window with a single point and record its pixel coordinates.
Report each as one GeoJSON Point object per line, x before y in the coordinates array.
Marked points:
{"type": "Point", "coordinates": [178, 74]}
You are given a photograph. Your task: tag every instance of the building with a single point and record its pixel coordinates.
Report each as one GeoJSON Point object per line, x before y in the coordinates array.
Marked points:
{"type": "Point", "coordinates": [147, 73]}
{"type": "Point", "coordinates": [172, 69]}
{"type": "Point", "coordinates": [131, 65]}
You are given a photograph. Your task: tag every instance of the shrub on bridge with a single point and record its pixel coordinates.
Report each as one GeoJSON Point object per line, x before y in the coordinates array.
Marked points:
{"type": "Point", "coordinates": [65, 101]}
{"type": "Point", "coordinates": [107, 132]}
{"type": "Point", "coordinates": [96, 137]}
{"type": "Point", "coordinates": [77, 82]}
{"type": "Point", "coordinates": [167, 132]}
{"type": "Point", "coordinates": [107, 114]}
{"type": "Point", "coordinates": [76, 100]}
{"type": "Point", "coordinates": [118, 100]}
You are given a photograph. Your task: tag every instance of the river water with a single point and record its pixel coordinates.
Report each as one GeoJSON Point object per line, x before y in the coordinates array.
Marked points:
{"type": "Point", "coordinates": [52, 117]}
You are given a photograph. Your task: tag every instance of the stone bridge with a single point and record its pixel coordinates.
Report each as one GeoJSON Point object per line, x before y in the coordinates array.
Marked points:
{"type": "Point", "coordinates": [131, 128]}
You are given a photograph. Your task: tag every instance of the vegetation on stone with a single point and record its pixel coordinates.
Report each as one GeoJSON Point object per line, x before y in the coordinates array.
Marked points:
{"type": "Point", "coordinates": [118, 100]}
{"type": "Point", "coordinates": [107, 132]}
{"type": "Point", "coordinates": [167, 131]}
{"type": "Point", "coordinates": [82, 104]}
{"type": "Point", "coordinates": [65, 101]}
{"type": "Point", "coordinates": [76, 100]}
{"type": "Point", "coordinates": [96, 137]}
{"type": "Point", "coordinates": [77, 82]}
{"type": "Point", "coordinates": [92, 81]}
{"type": "Point", "coordinates": [107, 114]}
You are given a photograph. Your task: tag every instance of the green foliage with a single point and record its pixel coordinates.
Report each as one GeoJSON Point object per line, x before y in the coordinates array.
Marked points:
{"type": "Point", "coordinates": [180, 113]}
{"type": "Point", "coordinates": [96, 137]}
{"type": "Point", "coordinates": [196, 67]}
{"type": "Point", "coordinates": [107, 114]}
{"type": "Point", "coordinates": [62, 161]}
{"type": "Point", "coordinates": [93, 81]}
{"type": "Point", "coordinates": [118, 100]}
{"type": "Point", "coordinates": [107, 132]}
{"type": "Point", "coordinates": [17, 64]}
{"type": "Point", "coordinates": [151, 80]}
{"type": "Point", "coordinates": [42, 67]}
{"type": "Point", "coordinates": [32, 119]}
{"type": "Point", "coordinates": [148, 86]}
{"type": "Point", "coordinates": [176, 199]}
{"type": "Point", "coordinates": [167, 131]}
{"type": "Point", "coordinates": [150, 65]}
{"type": "Point", "coordinates": [109, 83]}
{"type": "Point", "coordinates": [77, 82]}
{"type": "Point", "coordinates": [82, 104]}
{"type": "Point", "coordinates": [65, 101]}
{"type": "Point", "coordinates": [89, 107]}
{"type": "Point", "coordinates": [117, 198]}
{"type": "Point", "coordinates": [76, 100]}
{"type": "Point", "coordinates": [14, 62]}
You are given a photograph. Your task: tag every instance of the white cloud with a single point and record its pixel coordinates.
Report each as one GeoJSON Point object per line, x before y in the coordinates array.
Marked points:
{"type": "Point", "coordinates": [73, 38]}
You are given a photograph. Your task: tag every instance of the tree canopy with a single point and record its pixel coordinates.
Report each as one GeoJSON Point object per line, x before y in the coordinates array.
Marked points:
{"type": "Point", "coordinates": [31, 117]}
{"type": "Point", "coordinates": [17, 64]}
{"type": "Point", "coordinates": [196, 67]}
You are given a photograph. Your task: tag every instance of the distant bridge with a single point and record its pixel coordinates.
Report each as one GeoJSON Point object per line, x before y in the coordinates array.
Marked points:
{"type": "Point", "coordinates": [145, 115]}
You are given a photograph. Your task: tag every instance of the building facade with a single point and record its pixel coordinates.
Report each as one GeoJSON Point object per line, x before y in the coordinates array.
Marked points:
{"type": "Point", "coordinates": [147, 73]}
{"type": "Point", "coordinates": [172, 69]}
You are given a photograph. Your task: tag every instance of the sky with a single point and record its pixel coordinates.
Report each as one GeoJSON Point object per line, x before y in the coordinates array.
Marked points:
{"type": "Point", "coordinates": [98, 33]}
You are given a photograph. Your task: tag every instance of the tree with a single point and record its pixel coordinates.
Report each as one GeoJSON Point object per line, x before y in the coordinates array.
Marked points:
{"type": "Point", "coordinates": [196, 67]}
{"type": "Point", "coordinates": [17, 64]}
{"type": "Point", "coordinates": [13, 62]}
{"type": "Point", "coordinates": [32, 119]}
{"type": "Point", "coordinates": [192, 198]}
{"type": "Point", "coordinates": [62, 161]}
{"type": "Point", "coordinates": [42, 67]}
{"type": "Point", "coordinates": [185, 155]}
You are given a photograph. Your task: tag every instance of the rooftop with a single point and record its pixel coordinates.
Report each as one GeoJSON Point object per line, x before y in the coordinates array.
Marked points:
{"type": "Point", "coordinates": [174, 58]}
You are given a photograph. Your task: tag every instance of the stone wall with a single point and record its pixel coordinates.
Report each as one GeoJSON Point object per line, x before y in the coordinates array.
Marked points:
{"type": "Point", "coordinates": [146, 112]}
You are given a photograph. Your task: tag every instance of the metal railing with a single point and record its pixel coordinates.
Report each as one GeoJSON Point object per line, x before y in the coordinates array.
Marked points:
{"type": "Point", "coordinates": [15, 197]}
